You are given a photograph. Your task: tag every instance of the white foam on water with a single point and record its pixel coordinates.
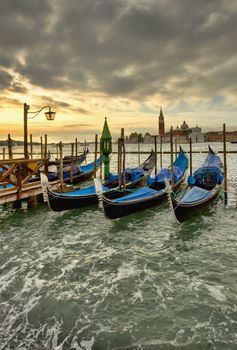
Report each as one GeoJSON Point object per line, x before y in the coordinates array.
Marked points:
{"type": "Point", "coordinates": [30, 305]}
{"type": "Point", "coordinates": [195, 284]}
{"type": "Point", "coordinates": [124, 271]}
{"type": "Point", "coordinates": [216, 292]}
{"type": "Point", "coordinates": [69, 267]}
{"type": "Point", "coordinates": [137, 296]}
{"type": "Point", "coordinates": [75, 346]}
{"type": "Point", "coordinates": [9, 277]}
{"type": "Point", "coordinates": [87, 344]}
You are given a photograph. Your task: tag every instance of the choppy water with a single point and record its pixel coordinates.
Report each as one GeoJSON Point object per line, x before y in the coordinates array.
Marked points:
{"type": "Point", "coordinates": [74, 280]}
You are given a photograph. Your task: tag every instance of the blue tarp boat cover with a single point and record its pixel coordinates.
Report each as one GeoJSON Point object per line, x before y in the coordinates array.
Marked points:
{"type": "Point", "coordinates": [77, 170]}
{"type": "Point", "coordinates": [195, 194]}
{"type": "Point", "coordinates": [206, 175]}
{"type": "Point", "coordinates": [210, 172]}
{"type": "Point", "coordinates": [82, 192]}
{"type": "Point", "coordinates": [212, 160]}
{"type": "Point", "coordinates": [2, 170]}
{"type": "Point", "coordinates": [90, 167]}
{"type": "Point", "coordinates": [6, 186]}
{"type": "Point", "coordinates": [131, 174]}
{"type": "Point", "coordinates": [180, 165]}
{"type": "Point", "coordinates": [143, 192]}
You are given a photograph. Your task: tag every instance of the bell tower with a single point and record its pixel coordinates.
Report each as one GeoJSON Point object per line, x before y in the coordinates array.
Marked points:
{"type": "Point", "coordinates": [161, 123]}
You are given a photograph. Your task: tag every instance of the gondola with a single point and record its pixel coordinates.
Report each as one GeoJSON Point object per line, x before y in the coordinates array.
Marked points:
{"type": "Point", "coordinates": [144, 197]}
{"type": "Point", "coordinates": [79, 173]}
{"type": "Point", "coordinates": [203, 187]}
{"type": "Point", "coordinates": [59, 201]}
{"type": "Point", "coordinates": [68, 159]}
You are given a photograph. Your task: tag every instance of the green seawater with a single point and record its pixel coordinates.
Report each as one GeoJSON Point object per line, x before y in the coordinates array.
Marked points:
{"type": "Point", "coordinates": [75, 280]}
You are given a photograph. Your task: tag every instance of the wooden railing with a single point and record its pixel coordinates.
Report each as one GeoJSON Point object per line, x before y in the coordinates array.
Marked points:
{"type": "Point", "coordinates": [14, 171]}
{"type": "Point", "coordinates": [21, 172]}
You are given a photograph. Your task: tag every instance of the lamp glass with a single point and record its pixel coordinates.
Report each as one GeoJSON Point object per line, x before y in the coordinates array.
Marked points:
{"type": "Point", "coordinates": [50, 115]}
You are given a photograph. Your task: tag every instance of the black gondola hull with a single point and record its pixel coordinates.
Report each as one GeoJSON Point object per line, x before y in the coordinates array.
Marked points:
{"type": "Point", "coordinates": [60, 203]}
{"type": "Point", "coordinates": [183, 212]}
{"type": "Point", "coordinates": [117, 210]}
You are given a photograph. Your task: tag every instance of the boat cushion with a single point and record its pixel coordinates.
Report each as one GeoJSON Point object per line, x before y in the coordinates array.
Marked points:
{"type": "Point", "coordinates": [195, 194]}
{"type": "Point", "coordinates": [82, 192]}
{"type": "Point", "coordinates": [143, 192]}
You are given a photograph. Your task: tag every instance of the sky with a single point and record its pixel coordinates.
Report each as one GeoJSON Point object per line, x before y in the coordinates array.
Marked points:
{"type": "Point", "coordinates": [120, 59]}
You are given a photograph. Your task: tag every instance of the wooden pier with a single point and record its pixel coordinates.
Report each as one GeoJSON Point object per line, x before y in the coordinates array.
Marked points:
{"type": "Point", "coordinates": [20, 179]}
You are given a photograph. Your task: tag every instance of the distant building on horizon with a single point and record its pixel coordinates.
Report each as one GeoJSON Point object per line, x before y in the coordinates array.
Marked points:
{"type": "Point", "coordinates": [161, 123]}
{"type": "Point", "coordinates": [217, 136]}
{"type": "Point", "coordinates": [182, 133]}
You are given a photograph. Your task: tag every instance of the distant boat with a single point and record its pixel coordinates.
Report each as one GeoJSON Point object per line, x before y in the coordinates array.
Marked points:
{"type": "Point", "coordinates": [204, 186]}
{"type": "Point", "coordinates": [68, 159]}
{"type": "Point", "coordinates": [233, 141]}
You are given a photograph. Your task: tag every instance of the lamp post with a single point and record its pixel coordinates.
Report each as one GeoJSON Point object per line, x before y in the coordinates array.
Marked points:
{"type": "Point", "coordinates": [50, 115]}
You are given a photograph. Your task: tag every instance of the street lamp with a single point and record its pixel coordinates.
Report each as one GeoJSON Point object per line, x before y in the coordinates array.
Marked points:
{"type": "Point", "coordinates": [50, 115]}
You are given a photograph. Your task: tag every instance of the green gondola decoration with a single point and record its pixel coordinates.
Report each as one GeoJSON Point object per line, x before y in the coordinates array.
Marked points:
{"type": "Point", "coordinates": [106, 148]}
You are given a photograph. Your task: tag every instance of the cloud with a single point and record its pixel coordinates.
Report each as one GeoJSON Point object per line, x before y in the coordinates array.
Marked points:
{"type": "Point", "coordinates": [162, 51]}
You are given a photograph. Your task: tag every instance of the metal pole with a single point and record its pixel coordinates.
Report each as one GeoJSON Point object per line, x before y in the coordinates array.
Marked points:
{"type": "Point", "coordinates": [225, 164]}
{"type": "Point", "coordinates": [26, 108]}
{"type": "Point", "coordinates": [190, 156]}
{"type": "Point", "coordinates": [3, 153]}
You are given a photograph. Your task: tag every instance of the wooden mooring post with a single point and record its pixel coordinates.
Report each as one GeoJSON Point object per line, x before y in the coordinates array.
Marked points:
{"type": "Point", "coordinates": [96, 144]}
{"type": "Point", "coordinates": [124, 160]}
{"type": "Point", "coordinates": [9, 145]}
{"type": "Point", "coordinates": [161, 156]}
{"type": "Point", "coordinates": [45, 146]}
{"type": "Point", "coordinates": [31, 147]}
{"type": "Point", "coordinates": [56, 150]}
{"type": "Point", "coordinates": [176, 147]}
{"type": "Point", "coordinates": [72, 162]}
{"type": "Point", "coordinates": [155, 144]}
{"type": "Point", "coordinates": [190, 157]}
{"type": "Point", "coordinates": [225, 165]}
{"type": "Point", "coordinates": [41, 147]}
{"type": "Point", "coordinates": [61, 164]}
{"type": "Point", "coordinates": [76, 149]}
{"type": "Point", "coordinates": [172, 157]}
{"type": "Point", "coordinates": [138, 151]}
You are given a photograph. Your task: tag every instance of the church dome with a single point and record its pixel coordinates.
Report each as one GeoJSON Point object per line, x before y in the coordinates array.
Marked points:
{"type": "Point", "coordinates": [184, 125]}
